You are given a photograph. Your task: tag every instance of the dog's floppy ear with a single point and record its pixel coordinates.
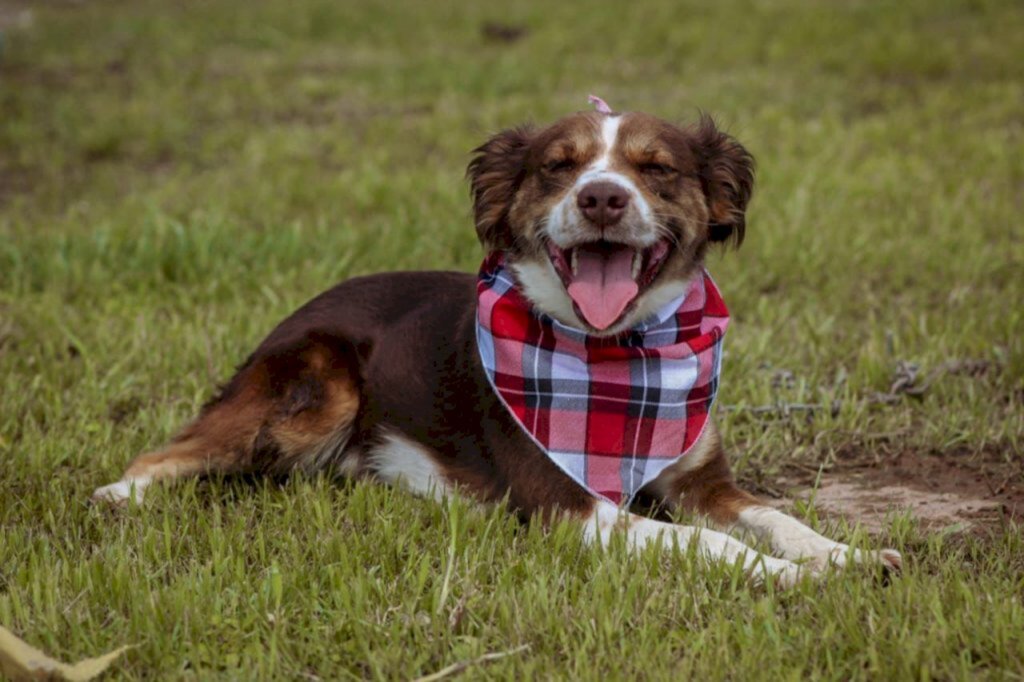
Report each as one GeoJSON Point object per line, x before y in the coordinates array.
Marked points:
{"type": "Point", "coordinates": [495, 174]}
{"type": "Point", "coordinates": [727, 177]}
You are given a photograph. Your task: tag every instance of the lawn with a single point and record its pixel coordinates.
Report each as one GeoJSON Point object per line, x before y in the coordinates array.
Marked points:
{"type": "Point", "coordinates": [176, 177]}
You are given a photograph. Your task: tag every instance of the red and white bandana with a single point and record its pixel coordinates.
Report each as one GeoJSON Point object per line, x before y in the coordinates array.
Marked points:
{"type": "Point", "coordinates": [612, 412]}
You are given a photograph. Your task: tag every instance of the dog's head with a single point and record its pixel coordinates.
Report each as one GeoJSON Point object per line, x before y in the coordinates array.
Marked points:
{"type": "Point", "coordinates": [604, 218]}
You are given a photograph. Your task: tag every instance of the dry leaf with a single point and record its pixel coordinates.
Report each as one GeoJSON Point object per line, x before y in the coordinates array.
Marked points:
{"type": "Point", "coordinates": [22, 662]}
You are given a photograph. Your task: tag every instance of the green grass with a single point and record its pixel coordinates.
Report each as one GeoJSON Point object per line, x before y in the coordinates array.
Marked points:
{"type": "Point", "coordinates": [176, 177]}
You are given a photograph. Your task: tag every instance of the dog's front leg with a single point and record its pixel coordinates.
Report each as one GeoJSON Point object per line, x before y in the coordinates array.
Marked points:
{"type": "Point", "coordinates": [606, 519]}
{"type": "Point", "coordinates": [795, 541]}
{"type": "Point", "coordinates": [702, 482]}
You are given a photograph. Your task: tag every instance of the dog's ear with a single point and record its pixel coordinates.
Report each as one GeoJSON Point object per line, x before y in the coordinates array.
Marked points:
{"type": "Point", "coordinates": [726, 172]}
{"type": "Point", "coordinates": [495, 174]}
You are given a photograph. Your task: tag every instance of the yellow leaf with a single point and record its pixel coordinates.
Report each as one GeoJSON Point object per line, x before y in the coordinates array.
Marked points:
{"type": "Point", "coordinates": [22, 662]}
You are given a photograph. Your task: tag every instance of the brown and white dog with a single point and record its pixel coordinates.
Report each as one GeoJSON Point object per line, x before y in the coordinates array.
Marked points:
{"type": "Point", "coordinates": [380, 376]}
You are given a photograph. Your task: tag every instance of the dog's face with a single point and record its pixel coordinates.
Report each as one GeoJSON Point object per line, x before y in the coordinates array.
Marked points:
{"type": "Point", "coordinates": [604, 218]}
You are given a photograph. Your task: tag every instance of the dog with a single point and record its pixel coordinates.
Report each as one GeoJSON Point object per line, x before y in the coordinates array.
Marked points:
{"type": "Point", "coordinates": [595, 225]}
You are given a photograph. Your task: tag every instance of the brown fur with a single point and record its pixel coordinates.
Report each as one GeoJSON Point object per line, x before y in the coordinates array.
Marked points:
{"type": "Point", "coordinates": [397, 353]}
{"type": "Point", "coordinates": [726, 172]}
{"type": "Point", "coordinates": [703, 187]}
{"type": "Point", "coordinates": [497, 171]}
{"type": "Point", "coordinates": [709, 489]}
{"type": "Point", "coordinates": [393, 357]}
{"type": "Point", "coordinates": [276, 412]}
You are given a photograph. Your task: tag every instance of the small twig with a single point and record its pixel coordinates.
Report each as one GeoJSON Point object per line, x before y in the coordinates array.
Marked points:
{"type": "Point", "coordinates": [81, 594]}
{"type": "Point", "coordinates": [998, 490]}
{"type": "Point", "coordinates": [905, 380]}
{"type": "Point", "coordinates": [877, 435]}
{"type": "Point", "coordinates": [782, 408]}
{"type": "Point", "coordinates": [907, 375]}
{"type": "Point", "coordinates": [905, 383]}
{"type": "Point", "coordinates": [878, 398]}
{"type": "Point", "coordinates": [457, 612]}
{"type": "Point", "coordinates": [456, 668]}
{"type": "Point", "coordinates": [768, 490]}
{"type": "Point", "coordinates": [816, 470]}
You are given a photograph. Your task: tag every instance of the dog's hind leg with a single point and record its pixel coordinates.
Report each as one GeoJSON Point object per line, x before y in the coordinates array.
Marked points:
{"type": "Point", "coordinates": [702, 482]}
{"type": "Point", "coordinates": [290, 407]}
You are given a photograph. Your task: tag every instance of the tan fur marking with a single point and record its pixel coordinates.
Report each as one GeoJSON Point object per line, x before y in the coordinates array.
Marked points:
{"type": "Point", "coordinates": [177, 459]}
{"type": "Point", "coordinates": [702, 482]}
{"type": "Point", "coordinates": [254, 428]}
{"type": "Point", "coordinates": [303, 435]}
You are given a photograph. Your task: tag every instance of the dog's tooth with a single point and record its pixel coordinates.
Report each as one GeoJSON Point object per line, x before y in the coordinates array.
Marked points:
{"type": "Point", "coordinates": [637, 259]}
{"type": "Point", "coordinates": [574, 257]}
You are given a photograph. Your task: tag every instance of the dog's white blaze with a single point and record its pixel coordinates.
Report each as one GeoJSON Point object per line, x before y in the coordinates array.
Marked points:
{"type": "Point", "coordinates": [641, 532]}
{"type": "Point", "coordinates": [609, 135]}
{"type": "Point", "coordinates": [405, 462]}
{"type": "Point", "coordinates": [598, 170]}
{"type": "Point", "coordinates": [564, 225]}
{"type": "Point", "coordinates": [123, 490]}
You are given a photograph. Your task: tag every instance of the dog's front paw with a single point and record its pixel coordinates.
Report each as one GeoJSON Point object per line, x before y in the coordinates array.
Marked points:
{"type": "Point", "coordinates": [889, 559]}
{"type": "Point", "coordinates": [119, 493]}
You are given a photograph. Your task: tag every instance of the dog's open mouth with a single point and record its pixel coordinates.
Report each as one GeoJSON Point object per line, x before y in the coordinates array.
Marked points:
{"type": "Point", "coordinates": [605, 278]}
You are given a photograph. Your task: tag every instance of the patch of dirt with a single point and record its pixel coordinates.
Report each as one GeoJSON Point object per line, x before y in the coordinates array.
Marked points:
{"type": "Point", "coordinates": [497, 32]}
{"type": "Point", "coordinates": [956, 488]}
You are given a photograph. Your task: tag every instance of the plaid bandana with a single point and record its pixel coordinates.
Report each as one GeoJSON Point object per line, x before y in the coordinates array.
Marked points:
{"type": "Point", "coordinates": [611, 412]}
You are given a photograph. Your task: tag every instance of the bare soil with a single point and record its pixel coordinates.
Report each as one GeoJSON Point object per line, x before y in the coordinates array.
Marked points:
{"type": "Point", "coordinates": [955, 489]}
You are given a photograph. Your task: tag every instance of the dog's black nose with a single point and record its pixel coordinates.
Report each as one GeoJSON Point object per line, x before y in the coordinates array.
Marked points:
{"type": "Point", "coordinates": [603, 203]}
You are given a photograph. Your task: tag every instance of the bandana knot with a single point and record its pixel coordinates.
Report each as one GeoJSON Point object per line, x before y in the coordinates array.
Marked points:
{"type": "Point", "coordinates": [611, 411]}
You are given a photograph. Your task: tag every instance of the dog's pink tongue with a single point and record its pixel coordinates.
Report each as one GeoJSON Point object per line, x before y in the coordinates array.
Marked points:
{"type": "Point", "coordinates": [603, 285]}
